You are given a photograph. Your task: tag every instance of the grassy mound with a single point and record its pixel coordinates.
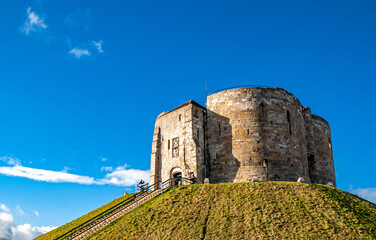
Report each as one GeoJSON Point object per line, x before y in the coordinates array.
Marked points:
{"type": "Point", "coordinates": [67, 227]}
{"type": "Point", "coordinates": [272, 210]}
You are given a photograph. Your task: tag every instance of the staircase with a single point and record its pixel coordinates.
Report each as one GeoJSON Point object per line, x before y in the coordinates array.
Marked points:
{"type": "Point", "coordinates": [103, 219]}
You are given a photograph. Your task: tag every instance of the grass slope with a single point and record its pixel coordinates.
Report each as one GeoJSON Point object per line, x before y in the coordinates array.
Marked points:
{"type": "Point", "coordinates": [248, 211]}
{"type": "Point", "coordinates": [65, 228]}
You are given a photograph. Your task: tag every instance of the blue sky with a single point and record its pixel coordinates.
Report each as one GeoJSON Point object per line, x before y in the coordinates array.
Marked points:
{"type": "Point", "coordinates": [81, 83]}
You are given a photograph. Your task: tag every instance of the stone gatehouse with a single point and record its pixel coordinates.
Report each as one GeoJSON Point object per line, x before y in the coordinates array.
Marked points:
{"type": "Point", "coordinates": [243, 134]}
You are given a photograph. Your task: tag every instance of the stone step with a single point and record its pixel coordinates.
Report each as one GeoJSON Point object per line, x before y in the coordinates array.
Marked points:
{"type": "Point", "coordinates": [107, 219]}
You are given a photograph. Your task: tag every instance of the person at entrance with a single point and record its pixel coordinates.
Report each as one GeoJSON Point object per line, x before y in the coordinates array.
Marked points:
{"type": "Point", "coordinates": [177, 179]}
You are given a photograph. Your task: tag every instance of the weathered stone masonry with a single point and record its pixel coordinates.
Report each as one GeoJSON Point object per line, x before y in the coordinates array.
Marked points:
{"type": "Point", "coordinates": [244, 134]}
{"type": "Point", "coordinates": [178, 143]}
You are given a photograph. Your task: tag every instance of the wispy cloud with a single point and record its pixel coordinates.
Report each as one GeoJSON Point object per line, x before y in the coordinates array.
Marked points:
{"type": "Point", "coordinates": [119, 176]}
{"type": "Point", "coordinates": [10, 231]}
{"type": "Point", "coordinates": [36, 213]}
{"type": "Point", "coordinates": [104, 159]}
{"type": "Point", "coordinates": [4, 208]}
{"type": "Point", "coordinates": [107, 169]}
{"type": "Point", "coordinates": [45, 175]}
{"type": "Point", "coordinates": [66, 169]}
{"type": "Point", "coordinates": [366, 193]}
{"type": "Point", "coordinates": [98, 45]}
{"type": "Point", "coordinates": [33, 22]}
{"type": "Point", "coordinates": [79, 52]}
{"type": "Point", "coordinates": [10, 160]}
{"type": "Point", "coordinates": [19, 211]}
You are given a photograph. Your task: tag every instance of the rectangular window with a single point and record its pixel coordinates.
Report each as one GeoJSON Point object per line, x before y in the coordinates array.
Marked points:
{"type": "Point", "coordinates": [168, 144]}
{"type": "Point", "coordinates": [179, 117]}
{"type": "Point", "coordinates": [175, 147]}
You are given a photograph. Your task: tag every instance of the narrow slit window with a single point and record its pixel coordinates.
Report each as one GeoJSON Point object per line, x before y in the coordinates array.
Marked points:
{"type": "Point", "coordinates": [265, 163]}
{"type": "Point", "coordinates": [179, 117]}
{"type": "Point", "coordinates": [288, 120]}
{"type": "Point", "coordinates": [248, 131]}
{"type": "Point", "coordinates": [198, 133]}
{"type": "Point", "coordinates": [168, 144]}
{"type": "Point", "coordinates": [262, 111]}
{"type": "Point", "coordinates": [219, 129]}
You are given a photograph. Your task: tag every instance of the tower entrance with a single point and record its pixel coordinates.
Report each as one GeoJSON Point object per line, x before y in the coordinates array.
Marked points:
{"type": "Point", "coordinates": [177, 175]}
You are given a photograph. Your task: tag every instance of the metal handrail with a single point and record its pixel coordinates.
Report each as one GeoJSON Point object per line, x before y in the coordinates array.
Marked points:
{"type": "Point", "coordinates": [243, 86]}
{"type": "Point", "coordinates": [172, 182]}
{"type": "Point", "coordinates": [98, 216]}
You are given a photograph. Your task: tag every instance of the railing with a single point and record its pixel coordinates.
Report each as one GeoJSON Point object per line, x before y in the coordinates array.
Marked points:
{"type": "Point", "coordinates": [142, 192]}
{"type": "Point", "coordinates": [177, 182]}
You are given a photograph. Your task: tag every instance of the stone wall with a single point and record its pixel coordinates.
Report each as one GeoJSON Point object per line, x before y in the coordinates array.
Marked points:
{"type": "Point", "coordinates": [256, 133]}
{"type": "Point", "coordinates": [178, 143]}
{"type": "Point", "coordinates": [323, 170]}
{"type": "Point", "coordinates": [245, 134]}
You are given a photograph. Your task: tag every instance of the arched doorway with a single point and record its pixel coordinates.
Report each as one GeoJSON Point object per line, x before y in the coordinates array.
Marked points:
{"type": "Point", "coordinates": [177, 175]}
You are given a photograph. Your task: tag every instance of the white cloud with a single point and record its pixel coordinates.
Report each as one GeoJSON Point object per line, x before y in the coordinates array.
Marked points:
{"type": "Point", "coordinates": [36, 213]}
{"type": "Point", "coordinates": [45, 175]}
{"type": "Point", "coordinates": [10, 231]}
{"type": "Point", "coordinates": [120, 176]}
{"type": "Point", "coordinates": [10, 160]}
{"type": "Point", "coordinates": [104, 159]}
{"type": "Point", "coordinates": [33, 22]}
{"type": "Point", "coordinates": [125, 177]}
{"type": "Point", "coordinates": [366, 193]}
{"type": "Point", "coordinates": [20, 212]}
{"type": "Point", "coordinates": [4, 208]}
{"type": "Point", "coordinates": [78, 52]}
{"type": "Point", "coordinates": [6, 224]}
{"type": "Point", "coordinates": [98, 45]}
{"type": "Point", "coordinates": [26, 231]}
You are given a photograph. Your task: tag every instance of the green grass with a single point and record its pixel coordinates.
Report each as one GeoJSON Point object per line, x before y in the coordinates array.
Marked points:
{"type": "Point", "coordinates": [272, 210]}
{"type": "Point", "coordinates": [65, 228]}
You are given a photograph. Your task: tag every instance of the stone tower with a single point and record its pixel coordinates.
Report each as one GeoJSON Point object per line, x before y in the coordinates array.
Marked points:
{"type": "Point", "coordinates": [244, 134]}
{"type": "Point", "coordinates": [179, 143]}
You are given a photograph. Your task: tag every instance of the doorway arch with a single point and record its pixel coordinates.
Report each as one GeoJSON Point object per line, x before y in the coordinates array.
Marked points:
{"type": "Point", "coordinates": [176, 174]}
